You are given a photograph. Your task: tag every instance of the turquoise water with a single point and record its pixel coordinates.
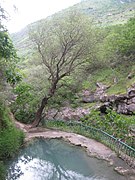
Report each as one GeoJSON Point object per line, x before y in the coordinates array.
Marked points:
{"type": "Point", "coordinates": [57, 160]}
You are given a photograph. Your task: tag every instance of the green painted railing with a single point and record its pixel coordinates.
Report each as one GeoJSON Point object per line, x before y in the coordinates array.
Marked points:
{"type": "Point", "coordinates": [124, 151]}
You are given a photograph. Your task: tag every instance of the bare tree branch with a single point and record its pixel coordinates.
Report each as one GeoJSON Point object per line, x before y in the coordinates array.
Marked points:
{"type": "Point", "coordinates": [63, 46]}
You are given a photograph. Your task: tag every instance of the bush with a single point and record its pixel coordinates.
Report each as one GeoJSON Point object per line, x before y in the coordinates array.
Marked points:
{"type": "Point", "coordinates": [10, 141]}
{"type": "Point", "coordinates": [25, 104]}
{"type": "Point", "coordinates": [113, 123]}
{"type": "Point", "coordinates": [10, 138]}
{"type": "Point", "coordinates": [2, 171]}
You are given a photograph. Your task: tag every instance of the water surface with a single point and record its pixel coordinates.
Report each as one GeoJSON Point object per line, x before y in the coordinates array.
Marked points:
{"type": "Point", "coordinates": [57, 160]}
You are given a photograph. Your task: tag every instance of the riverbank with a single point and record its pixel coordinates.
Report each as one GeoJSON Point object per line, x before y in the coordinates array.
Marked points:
{"type": "Point", "coordinates": [92, 147]}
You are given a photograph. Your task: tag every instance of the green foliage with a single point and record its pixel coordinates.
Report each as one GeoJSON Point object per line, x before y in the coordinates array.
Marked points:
{"type": "Point", "coordinates": [7, 50]}
{"type": "Point", "coordinates": [10, 138]}
{"type": "Point", "coordinates": [13, 77]}
{"type": "Point", "coordinates": [69, 87]}
{"type": "Point", "coordinates": [113, 123]}
{"type": "Point", "coordinates": [25, 104]}
{"type": "Point", "coordinates": [65, 126]}
{"type": "Point", "coordinates": [10, 141]}
{"type": "Point", "coordinates": [125, 38]}
{"type": "Point", "coordinates": [8, 56]}
{"type": "Point", "coordinates": [120, 42]}
{"type": "Point", "coordinates": [2, 171]}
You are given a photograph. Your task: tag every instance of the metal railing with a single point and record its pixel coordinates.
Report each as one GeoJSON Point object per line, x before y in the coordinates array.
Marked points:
{"type": "Point", "coordinates": [123, 150]}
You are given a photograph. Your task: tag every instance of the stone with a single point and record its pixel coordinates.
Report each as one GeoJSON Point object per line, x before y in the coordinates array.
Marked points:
{"type": "Point", "coordinates": [102, 86]}
{"type": "Point", "coordinates": [131, 107]}
{"type": "Point", "coordinates": [85, 93]}
{"type": "Point", "coordinates": [133, 100]}
{"type": "Point", "coordinates": [132, 93]}
{"type": "Point", "coordinates": [89, 99]}
{"type": "Point", "coordinates": [104, 98]}
{"type": "Point", "coordinates": [67, 113]}
{"type": "Point", "coordinates": [122, 108]}
{"type": "Point", "coordinates": [104, 107]}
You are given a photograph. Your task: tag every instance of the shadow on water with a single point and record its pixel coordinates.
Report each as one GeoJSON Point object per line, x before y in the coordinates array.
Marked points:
{"type": "Point", "coordinates": [57, 160]}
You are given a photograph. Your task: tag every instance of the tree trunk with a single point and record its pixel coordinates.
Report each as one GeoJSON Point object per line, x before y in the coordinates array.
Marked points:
{"type": "Point", "coordinates": [39, 112]}
{"type": "Point", "coordinates": [44, 103]}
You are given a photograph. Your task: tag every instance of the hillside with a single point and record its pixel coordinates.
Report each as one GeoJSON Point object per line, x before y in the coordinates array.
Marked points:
{"type": "Point", "coordinates": [103, 13]}
{"type": "Point", "coordinates": [108, 11]}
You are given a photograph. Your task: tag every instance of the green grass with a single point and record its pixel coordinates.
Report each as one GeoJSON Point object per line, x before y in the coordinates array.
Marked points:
{"type": "Point", "coordinates": [107, 76]}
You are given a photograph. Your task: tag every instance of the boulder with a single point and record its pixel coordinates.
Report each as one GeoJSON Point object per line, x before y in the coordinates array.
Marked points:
{"type": "Point", "coordinates": [131, 107]}
{"type": "Point", "coordinates": [131, 93]}
{"type": "Point", "coordinates": [133, 100]}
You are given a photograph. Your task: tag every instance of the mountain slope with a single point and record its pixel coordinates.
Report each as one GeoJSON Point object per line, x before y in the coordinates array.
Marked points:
{"type": "Point", "coordinates": [103, 12]}
{"type": "Point", "coordinates": [108, 11]}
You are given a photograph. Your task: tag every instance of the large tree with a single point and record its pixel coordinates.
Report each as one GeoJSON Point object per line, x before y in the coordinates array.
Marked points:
{"type": "Point", "coordinates": [63, 43]}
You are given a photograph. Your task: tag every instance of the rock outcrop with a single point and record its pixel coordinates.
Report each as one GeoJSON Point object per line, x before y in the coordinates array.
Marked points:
{"type": "Point", "coordinates": [67, 113]}
{"type": "Point", "coordinates": [98, 95]}
{"type": "Point", "coordinates": [123, 103]}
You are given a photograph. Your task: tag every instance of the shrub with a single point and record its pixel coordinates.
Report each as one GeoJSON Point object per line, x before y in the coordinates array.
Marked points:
{"type": "Point", "coordinates": [2, 171]}
{"type": "Point", "coordinates": [10, 138]}
{"type": "Point", "coordinates": [25, 104]}
{"type": "Point", "coordinates": [113, 123]}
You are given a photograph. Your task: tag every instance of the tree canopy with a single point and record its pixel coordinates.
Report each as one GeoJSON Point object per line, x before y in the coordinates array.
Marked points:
{"type": "Point", "coordinates": [63, 44]}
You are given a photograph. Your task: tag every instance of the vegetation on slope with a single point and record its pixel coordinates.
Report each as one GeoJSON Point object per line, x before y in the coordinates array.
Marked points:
{"type": "Point", "coordinates": [10, 138]}
{"type": "Point", "coordinates": [103, 12]}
